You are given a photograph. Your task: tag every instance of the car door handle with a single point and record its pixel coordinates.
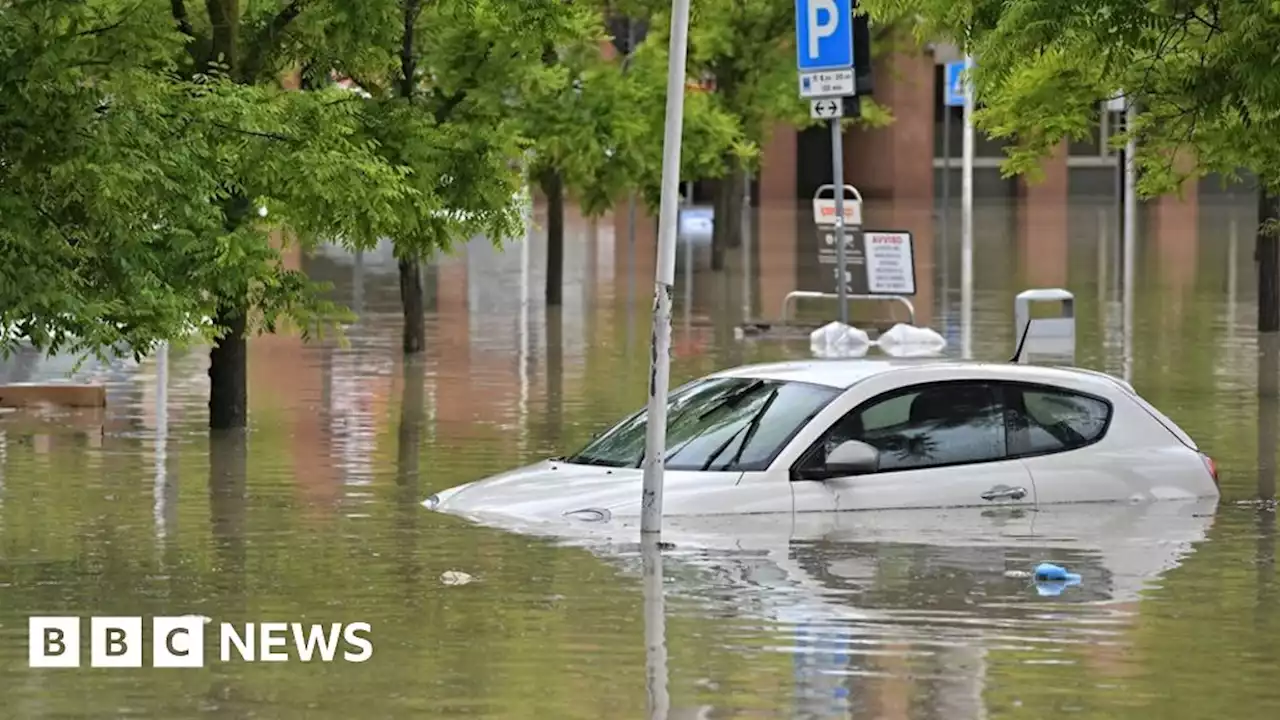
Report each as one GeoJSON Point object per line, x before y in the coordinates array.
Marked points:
{"type": "Point", "coordinates": [1002, 492]}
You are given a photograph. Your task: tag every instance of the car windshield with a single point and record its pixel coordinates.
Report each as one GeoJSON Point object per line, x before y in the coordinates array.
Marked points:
{"type": "Point", "coordinates": [716, 424]}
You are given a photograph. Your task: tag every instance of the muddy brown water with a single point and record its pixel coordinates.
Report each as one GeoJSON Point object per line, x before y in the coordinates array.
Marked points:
{"type": "Point", "coordinates": [314, 516]}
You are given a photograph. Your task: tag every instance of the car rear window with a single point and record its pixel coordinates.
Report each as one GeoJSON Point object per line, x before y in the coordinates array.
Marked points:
{"type": "Point", "coordinates": [1057, 420]}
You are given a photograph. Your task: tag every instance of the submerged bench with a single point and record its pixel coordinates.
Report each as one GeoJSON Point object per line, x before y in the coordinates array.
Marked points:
{"type": "Point", "coordinates": [65, 395]}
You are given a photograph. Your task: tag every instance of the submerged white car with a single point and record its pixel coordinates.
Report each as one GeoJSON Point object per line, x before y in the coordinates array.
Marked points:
{"type": "Point", "coordinates": [867, 434]}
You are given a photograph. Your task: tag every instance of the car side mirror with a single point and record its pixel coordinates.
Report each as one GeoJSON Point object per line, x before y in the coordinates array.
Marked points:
{"type": "Point", "coordinates": [852, 457]}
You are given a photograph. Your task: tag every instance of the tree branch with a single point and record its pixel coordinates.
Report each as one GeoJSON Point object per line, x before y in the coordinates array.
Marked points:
{"type": "Point", "coordinates": [91, 32]}
{"type": "Point", "coordinates": [179, 10]}
{"type": "Point", "coordinates": [408, 62]}
{"type": "Point", "coordinates": [53, 223]}
{"type": "Point", "coordinates": [450, 103]}
{"type": "Point", "coordinates": [279, 23]}
{"type": "Point", "coordinates": [253, 133]}
{"type": "Point", "coordinates": [267, 38]}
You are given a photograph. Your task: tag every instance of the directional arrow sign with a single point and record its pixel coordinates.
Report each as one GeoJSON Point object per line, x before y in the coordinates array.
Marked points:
{"type": "Point", "coordinates": [826, 108]}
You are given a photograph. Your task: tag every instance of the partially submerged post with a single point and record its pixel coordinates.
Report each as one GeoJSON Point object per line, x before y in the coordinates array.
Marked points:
{"type": "Point", "coordinates": [966, 217]}
{"type": "Point", "coordinates": [825, 60]}
{"type": "Point", "coordinates": [1047, 338]}
{"type": "Point", "coordinates": [660, 343]}
{"type": "Point", "coordinates": [1130, 234]}
{"type": "Point", "coordinates": [655, 628]}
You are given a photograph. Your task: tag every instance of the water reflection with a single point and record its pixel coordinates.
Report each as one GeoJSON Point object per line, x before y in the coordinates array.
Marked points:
{"type": "Point", "coordinates": [655, 629]}
{"type": "Point", "coordinates": [313, 513]}
{"type": "Point", "coordinates": [898, 612]}
{"type": "Point", "coordinates": [228, 506]}
{"type": "Point", "coordinates": [1268, 412]}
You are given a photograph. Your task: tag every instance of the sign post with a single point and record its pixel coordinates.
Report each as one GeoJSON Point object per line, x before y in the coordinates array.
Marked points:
{"type": "Point", "coordinates": [879, 262]}
{"type": "Point", "coordinates": [966, 219]}
{"type": "Point", "coordinates": [824, 58]}
{"type": "Point", "coordinates": [1130, 230]}
{"type": "Point", "coordinates": [844, 224]}
{"type": "Point", "coordinates": [655, 441]}
{"type": "Point", "coordinates": [954, 97]}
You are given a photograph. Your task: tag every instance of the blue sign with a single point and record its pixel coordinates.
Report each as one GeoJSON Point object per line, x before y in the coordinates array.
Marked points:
{"type": "Point", "coordinates": [954, 96]}
{"type": "Point", "coordinates": [824, 35]}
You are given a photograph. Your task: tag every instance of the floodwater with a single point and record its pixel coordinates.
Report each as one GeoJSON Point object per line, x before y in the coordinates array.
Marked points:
{"type": "Point", "coordinates": [313, 516]}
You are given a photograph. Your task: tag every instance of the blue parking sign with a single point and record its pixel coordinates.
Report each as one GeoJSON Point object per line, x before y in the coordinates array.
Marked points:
{"type": "Point", "coordinates": [824, 35]}
{"type": "Point", "coordinates": [954, 95]}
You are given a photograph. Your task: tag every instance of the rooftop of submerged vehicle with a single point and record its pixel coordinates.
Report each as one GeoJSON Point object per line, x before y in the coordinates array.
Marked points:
{"type": "Point", "coordinates": [843, 373]}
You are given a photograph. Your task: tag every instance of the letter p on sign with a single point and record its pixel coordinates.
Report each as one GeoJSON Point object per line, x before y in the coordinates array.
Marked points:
{"type": "Point", "coordinates": [822, 23]}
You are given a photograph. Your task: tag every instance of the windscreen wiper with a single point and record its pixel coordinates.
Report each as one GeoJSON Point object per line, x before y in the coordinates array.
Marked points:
{"type": "Point", "coordinates": [589, 460]}
{"type": "Point", "coordinates": [727, 401]}
{"type": "Point", "coordinates": [731, 400]}
{"type": "Point", "coordinates": [750, 430]}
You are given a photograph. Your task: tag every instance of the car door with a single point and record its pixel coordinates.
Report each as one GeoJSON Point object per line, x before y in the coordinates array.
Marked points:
{"type": "Point", "coordinates": [1058, 434]}
{"type": "Point", "coordinates": [941, 444]}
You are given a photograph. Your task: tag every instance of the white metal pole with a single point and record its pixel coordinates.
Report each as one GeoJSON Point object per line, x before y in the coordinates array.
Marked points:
{"type": "Point", "coordinates": [837, 174]}
{"type": "Point", "coordinates": [688, 259]}
{"type": "Point", "coordinates": [161, 512]}
{"type": "Point", "coordinates": [1130, 233]}
{"type": "Point", "coordinates": [631, 199]}
{"type": "Point", "coordinates": [655, 629]}
{"type": "Point", "coordinates": [1233, 275]}
{"type": "Point", "coordinates": [746, 249]}
{"type": "Point", "coordinates": [522, 354]}
{"type": "Point", "coordinates": [660, 356]}
{"type": "Point", "coordinates": [945, 247]}
{"type": "Point", "coordinates": [966, 219]}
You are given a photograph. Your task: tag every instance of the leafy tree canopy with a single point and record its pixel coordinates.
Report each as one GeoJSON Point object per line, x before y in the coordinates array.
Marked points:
{"type": "Point", "coordinates": [137, 138]}
{"type": "Point", "coordinates": [1202, 75]}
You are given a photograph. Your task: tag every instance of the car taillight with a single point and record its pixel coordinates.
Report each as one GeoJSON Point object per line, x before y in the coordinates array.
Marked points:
{"type": "Point", "coordinates": [1211, 466]}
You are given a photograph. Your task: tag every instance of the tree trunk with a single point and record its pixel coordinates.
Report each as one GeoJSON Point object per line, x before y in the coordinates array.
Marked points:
{"type": "Point", "coordinates": [727, 231]}
{"type": "Point", "coordinates": [555, 376]}
{"type": "Point", "coordinates": [553, 187]}
{"type": "Point", "coordinates": [229, 369]}
{"type": "Point", "coordinates": [412, 420]}
{"type": "Point", "coordinates": [414, 336]}
{"type": "Point", "coordinates": [229, 357]}
{"type": "Point", "coordinates": [228, 501]}
{"type": "Point", "coordinates": [1267, 256]}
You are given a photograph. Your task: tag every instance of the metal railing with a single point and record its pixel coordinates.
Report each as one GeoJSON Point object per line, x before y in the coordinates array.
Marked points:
{"type": "Point", "coordinates": [794, 295]}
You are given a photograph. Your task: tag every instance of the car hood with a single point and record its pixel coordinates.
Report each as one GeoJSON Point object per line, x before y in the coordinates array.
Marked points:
{"type": "Point", "coordinates": [550, 489]}
{"type": "Point", "coordinates": [545, 489]}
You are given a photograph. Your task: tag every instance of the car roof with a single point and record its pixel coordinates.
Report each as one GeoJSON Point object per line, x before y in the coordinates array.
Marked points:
{"type": "Point", "coordinates": [844, 372]}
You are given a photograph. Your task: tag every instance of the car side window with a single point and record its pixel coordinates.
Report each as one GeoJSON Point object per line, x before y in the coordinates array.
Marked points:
{"type": "Point", "coordinates": [1047, 420]}
{"type": "Point", "coordinates": [928, 426]}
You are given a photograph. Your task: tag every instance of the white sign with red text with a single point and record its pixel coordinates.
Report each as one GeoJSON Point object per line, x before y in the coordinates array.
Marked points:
{"type": "Point", "coordinates": [890, 263]}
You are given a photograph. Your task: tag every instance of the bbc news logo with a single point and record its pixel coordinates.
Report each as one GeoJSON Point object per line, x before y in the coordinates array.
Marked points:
{"type": "Point", "coordinates": [179, 642]}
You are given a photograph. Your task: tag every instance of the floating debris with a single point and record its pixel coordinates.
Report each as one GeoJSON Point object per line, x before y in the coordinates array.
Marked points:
{"type": "Point", "coordinates": [1052, 579]}
{"type": "Point", "coordinates": [455, 577]}
{"type": "Point", "coordinates": [1048, 572]}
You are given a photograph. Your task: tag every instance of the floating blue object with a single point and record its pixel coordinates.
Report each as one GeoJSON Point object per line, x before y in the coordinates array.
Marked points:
{"type": "Point", "coordinates": [1051, 572]}
{"type": "Point", "coordinates": [1054, 588]}
{"type": "Point", "coordinates": [1053, 579]}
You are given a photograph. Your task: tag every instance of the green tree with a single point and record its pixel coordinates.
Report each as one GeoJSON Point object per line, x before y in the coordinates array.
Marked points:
{"type": "Point", "coordinates": [598, 131]}
{"type": "Point", "coordinates": [448, 82]}
{"type": "Point", "coordinates": [171, 126]}
{"type": "Point", "coordinates": [745, 51]}
{"type": "Point", "coordinates": [130, 168]}
{"type": "Point", "coordinates": [91, 166]}
{"type": "Point", "coordinates": [710, 132]}
{"type": "Point", "coordinates": [1200, 73]}
{"type": "Point", "coordinates": [579, 126]}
